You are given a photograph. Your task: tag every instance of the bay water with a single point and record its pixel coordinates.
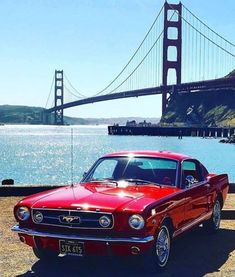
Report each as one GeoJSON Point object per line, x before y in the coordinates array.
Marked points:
{"type": "Point", "coordinates": [35, 154]}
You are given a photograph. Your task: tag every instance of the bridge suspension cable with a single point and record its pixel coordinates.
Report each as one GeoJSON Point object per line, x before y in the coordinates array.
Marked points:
{"type": "Point", "coordinates": [131, 77]}
{"type": "Point", "coordinates": [205, 55]}
{"type": "Point", "coordinates": [76, 93]}
{"type": "Point", "coordinates": [209, 39]}
{"type": "Point", "coordinates": [137, 65]}
{"type": "Point", "coordinates": [133, 56]}
{"type": "Point", "coordinates": [73, 94]}
{"type": "Point", "coordinates": [132, 65]}
{"type": "Point", "coordinates": [229, 42]}
{"type": "Point", "coordinates": [49, 95]}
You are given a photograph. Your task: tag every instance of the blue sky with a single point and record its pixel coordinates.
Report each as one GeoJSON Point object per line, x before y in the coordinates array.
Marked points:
{"type": "Point", "coordinates": [91, 40]}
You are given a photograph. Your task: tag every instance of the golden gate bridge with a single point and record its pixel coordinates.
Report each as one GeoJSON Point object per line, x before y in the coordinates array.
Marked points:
{"type": "Point", "coordinates": [179, 53]}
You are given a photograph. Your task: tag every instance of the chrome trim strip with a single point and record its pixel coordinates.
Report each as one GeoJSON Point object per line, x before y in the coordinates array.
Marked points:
{"type": "Point", "coordinates": [71, 210]}
{"type": "Point", "coordinates": [72, 226]}
{"type": "Point", "coordinates": [93, 167]}
{"type": "Point", "coordinates": [192, 223]}
{"type": "Point", "coordinates": [195, 185]}
{"type": "Point", "coordinates": [31, 232]}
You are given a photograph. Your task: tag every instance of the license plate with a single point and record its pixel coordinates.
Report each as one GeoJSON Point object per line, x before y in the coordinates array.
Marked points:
{"type": "Point", "coordinates": [71, 247]}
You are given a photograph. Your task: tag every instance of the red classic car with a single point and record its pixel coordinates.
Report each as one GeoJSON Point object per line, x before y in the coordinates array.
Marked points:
{"type": "Point", "coordinates": [128, 203]}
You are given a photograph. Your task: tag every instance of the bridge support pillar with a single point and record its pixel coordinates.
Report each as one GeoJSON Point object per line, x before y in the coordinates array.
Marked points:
{"type": "Point", "coordinates": [171, 20]}
{"type": "Point", "coordinates": [59, 97]}
{"type": "Point", "coordinates": [47, 118]}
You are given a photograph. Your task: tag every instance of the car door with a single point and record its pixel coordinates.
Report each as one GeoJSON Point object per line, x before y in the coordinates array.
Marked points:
{"type": "Point", "coordinates": [196, 191]}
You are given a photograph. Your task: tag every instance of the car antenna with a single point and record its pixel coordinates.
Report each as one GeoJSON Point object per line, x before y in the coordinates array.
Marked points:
{"type": "Point", "coordinates": [71, 149]}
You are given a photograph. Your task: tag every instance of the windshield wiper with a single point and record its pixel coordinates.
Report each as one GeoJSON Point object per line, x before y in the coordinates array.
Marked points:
{"type": "Point", "coordinates": [106, 180]}
{"type": "Point", "coordinates": [141, 181]}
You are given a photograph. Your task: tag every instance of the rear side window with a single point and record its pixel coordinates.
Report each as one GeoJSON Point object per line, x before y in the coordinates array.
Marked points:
{"type": "Point", "coordinates": [188, 165]}
{"type": "Point", "coordinates": [192, 168]}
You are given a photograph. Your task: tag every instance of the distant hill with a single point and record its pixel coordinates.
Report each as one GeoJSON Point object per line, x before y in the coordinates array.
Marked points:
{"type": "Point", "coordinates": [20, 114]}
{"type": "Point", "coordinates": [108, 121]}
{"type": "Point", "coordinates": [212, 108]}
{"type": "Point", "coordinates": [10, 114]}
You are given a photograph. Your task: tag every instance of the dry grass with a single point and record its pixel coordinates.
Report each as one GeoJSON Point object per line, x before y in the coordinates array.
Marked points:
{"type": "Point", "coordinates": [15, 257]}
{"type": "Point", "coordinates": [195, 254]}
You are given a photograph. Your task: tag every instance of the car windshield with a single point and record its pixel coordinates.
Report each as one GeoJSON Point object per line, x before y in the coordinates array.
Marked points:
{"type": "Point", "coordinates": [142, 169]}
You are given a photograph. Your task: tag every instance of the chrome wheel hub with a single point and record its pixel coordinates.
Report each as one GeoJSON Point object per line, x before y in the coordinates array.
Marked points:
{"type": "Point", "coordinates": [216, 214]}
{"type": "Point", "coordinates": [163, 245]}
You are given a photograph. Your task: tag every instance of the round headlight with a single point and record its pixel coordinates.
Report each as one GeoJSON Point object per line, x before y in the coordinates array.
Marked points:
{"type": "Point", "coordinates": [104, 221]}
{"type": "Point", "coordinates": [23, 213]}
{"type": "Point", "coordinates": [38, 217]}
{"type": "Point", "coordinates": [136, 221]}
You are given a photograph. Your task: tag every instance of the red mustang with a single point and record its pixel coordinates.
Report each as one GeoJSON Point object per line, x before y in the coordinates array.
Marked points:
{"type": "Point", "coordinates": [128, 203]}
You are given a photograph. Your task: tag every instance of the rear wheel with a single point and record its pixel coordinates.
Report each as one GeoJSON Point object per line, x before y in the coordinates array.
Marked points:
{"type": "Point", "coordinates": [213, 224]}
{"type": "Point", "coordinates": [158, 257]}
{"type": "Point", "coordinates": [44, 254]}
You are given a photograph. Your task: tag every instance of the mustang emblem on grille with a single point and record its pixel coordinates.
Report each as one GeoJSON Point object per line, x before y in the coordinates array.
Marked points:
{"type": "Point", "coordinates": [70, 218]}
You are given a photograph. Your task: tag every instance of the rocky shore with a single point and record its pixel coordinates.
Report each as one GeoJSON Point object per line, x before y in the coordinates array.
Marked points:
{"type": "Point", "coordinates": [230, 139]}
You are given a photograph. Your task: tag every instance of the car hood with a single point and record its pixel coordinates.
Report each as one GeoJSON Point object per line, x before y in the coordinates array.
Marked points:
{"type": "Point", "coordinates": [100, 196]}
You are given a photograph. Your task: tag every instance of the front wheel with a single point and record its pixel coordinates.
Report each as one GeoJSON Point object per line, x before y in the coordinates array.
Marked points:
{"type": "Point", "coordinates": [213, 224]}
{"type": "Point", "coordinates": [160, 252]}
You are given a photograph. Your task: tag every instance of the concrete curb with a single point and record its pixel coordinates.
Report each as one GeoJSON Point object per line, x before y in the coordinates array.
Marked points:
{"type": "Point", "coordinates": [231, 188]}
{"type": "Point", "coordinates": [24, 190]}
{"type": "Point", "coordinates": [228, 214]}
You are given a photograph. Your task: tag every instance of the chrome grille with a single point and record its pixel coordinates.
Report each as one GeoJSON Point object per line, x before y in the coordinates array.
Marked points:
{"type": "Point", "coordinates": [72, 218]}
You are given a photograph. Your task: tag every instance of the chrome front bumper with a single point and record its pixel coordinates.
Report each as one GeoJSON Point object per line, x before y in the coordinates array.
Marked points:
{"type": "Point", "coordinates": [33, 233]}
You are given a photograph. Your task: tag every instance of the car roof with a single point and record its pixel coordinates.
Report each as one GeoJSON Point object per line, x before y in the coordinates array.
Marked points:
{"type": "Point", "coordinates": [155, 154]}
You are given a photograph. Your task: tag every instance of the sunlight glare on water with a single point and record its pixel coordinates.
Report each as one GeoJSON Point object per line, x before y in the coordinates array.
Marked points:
{"type": "Point", "coordinates": [42, 154]}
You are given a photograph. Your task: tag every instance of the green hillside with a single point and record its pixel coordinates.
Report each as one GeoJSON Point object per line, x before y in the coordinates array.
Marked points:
{"type": "Point", "coordinates": [212, 108]}
{"type": "Point", "coordinates": [33, 115]}
{"type": "Point", "coordinates": [20, 114]}
{"type": "Point", "coordinates": [208, 108]}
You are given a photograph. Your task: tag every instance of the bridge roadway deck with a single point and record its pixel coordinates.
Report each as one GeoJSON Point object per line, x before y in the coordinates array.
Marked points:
{"type": "Point", "coordinates": [225, 83]}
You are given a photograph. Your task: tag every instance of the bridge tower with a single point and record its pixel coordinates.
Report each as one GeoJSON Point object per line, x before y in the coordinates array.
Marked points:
{"type": "Point", "coordinates": [59, 97]}
{"type": "Point", "coordinates": [169, 42]}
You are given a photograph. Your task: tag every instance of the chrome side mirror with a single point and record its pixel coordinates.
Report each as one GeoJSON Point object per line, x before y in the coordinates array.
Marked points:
{"type": "Point", "coordinates": [189, 181]}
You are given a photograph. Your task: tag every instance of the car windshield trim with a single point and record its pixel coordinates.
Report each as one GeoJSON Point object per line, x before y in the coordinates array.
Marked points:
{"type": "Point", "coordinates": [173, 177]}
{"type": "Point", "coordinates": [141, 182]}
{"type": "Point", "coordinates": [106, 180]}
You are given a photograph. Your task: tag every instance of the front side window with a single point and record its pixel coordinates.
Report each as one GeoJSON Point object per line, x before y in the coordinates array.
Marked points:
{"type": "Point", "coordinates": [191, 173]}
{"type": "Point", "coordinates": [156, 170]}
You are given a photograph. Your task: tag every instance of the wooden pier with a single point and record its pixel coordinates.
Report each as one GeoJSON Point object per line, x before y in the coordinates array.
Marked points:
{"type": "Point", "coordinates": [171, 131]}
